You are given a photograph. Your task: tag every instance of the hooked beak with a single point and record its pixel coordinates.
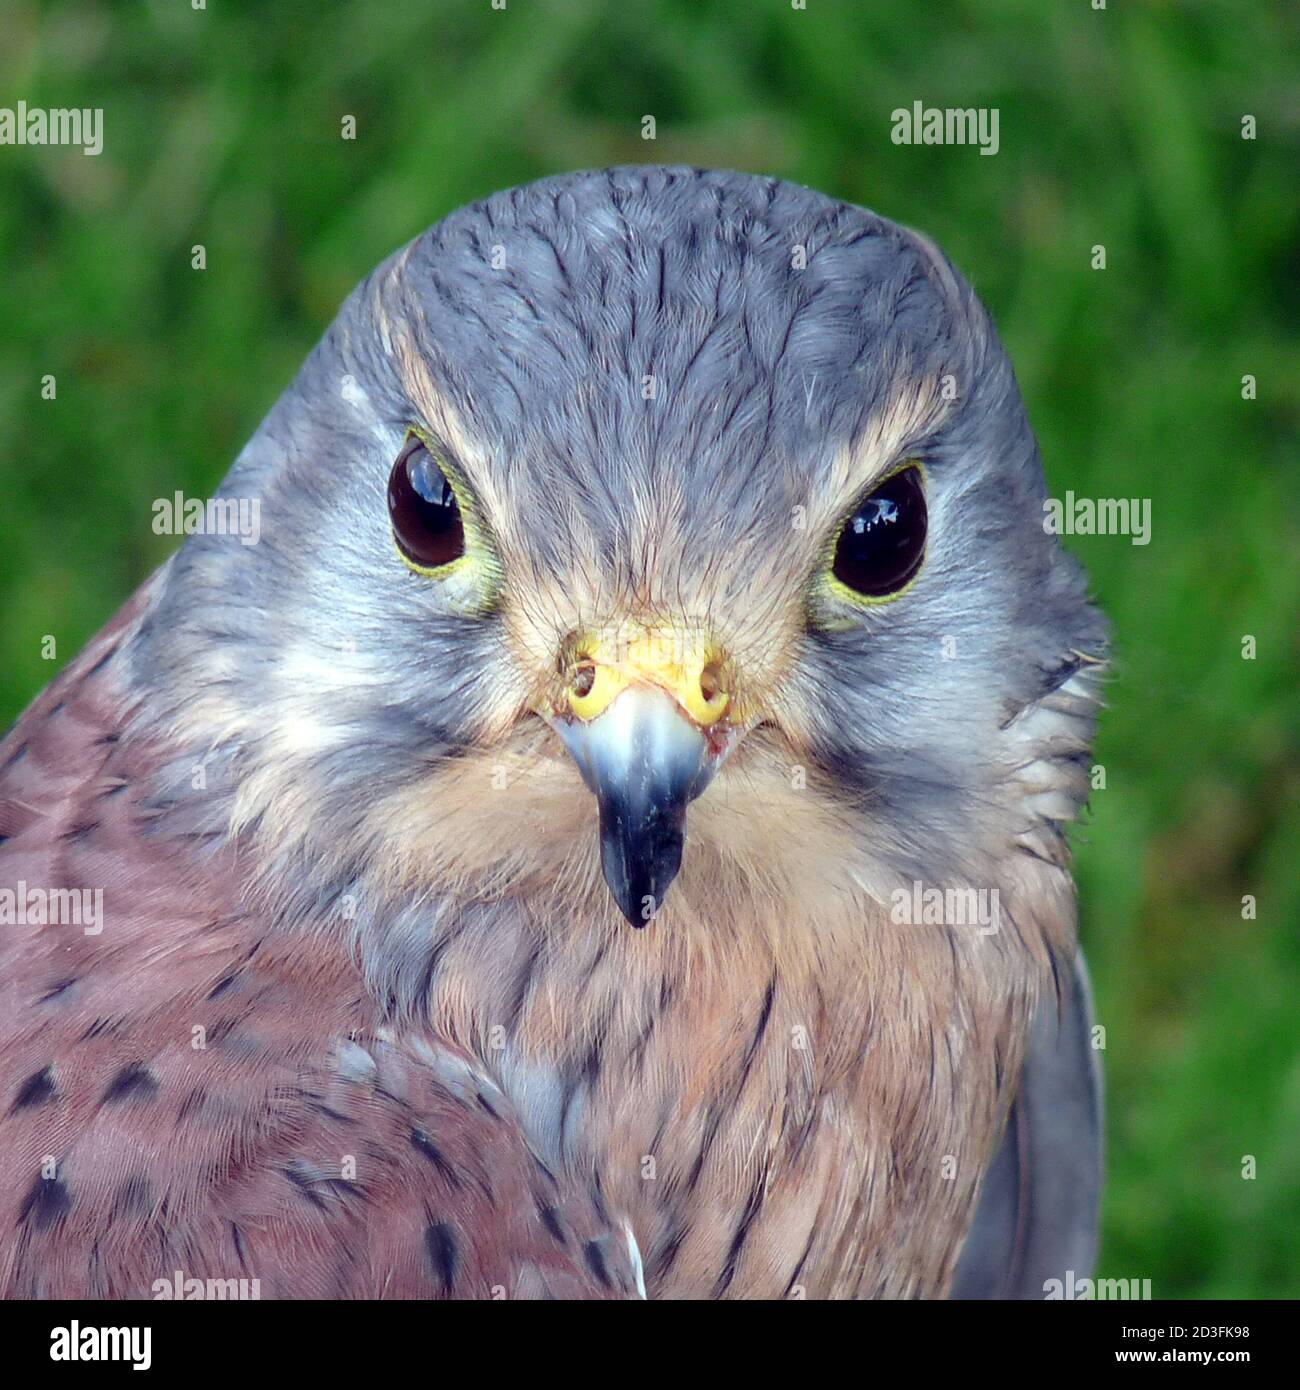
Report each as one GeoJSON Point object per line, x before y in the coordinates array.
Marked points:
{"type": "Point", "coordinates": [646, 735]}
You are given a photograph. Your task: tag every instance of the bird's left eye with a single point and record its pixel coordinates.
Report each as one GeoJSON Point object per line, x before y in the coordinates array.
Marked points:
{"type": "Point", "coordinates": [425, 513]}
{"type": "Point", "coordinates": [882, 544]}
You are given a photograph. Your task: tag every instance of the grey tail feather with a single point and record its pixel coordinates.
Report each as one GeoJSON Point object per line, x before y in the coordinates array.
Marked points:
{"type": "Point", "coordinates": [1037, 1212]}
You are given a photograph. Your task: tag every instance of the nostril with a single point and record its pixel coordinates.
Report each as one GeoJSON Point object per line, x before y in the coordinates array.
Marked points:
{"type": "Point", "coordinates": [711, 683]}
{"type": "Point", "coordinates": [583, 679]}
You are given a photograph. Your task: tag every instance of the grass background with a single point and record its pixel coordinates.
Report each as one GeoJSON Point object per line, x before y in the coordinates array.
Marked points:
{"type": "Point", "coordinates": [1120, 127]}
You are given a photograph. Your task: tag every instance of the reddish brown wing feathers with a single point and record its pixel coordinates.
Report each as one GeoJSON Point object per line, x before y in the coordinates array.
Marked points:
{"type": "Point", "coordinates": [185, 1093]}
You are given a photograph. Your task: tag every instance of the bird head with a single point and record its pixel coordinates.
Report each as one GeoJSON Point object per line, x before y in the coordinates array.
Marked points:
{"type": "Point", "coordinates": [680, 522]}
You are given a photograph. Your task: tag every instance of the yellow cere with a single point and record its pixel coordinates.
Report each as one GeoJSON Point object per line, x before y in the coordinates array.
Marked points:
{"type": "Point", "coordinates": [682, 664]}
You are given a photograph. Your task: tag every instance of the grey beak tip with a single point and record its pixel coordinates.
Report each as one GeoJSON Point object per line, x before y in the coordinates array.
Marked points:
{"type": "Point", "coordinates": [640, 857]}
{"type": "Point", "coordinates": [645, 762]}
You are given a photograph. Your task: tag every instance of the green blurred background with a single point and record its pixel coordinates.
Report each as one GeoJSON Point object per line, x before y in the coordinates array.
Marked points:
{"type": "Point", "coordinates": [1120, 127]}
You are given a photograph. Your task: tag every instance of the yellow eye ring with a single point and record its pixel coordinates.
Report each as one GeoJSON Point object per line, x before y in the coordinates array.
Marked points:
{"type": "Point", "coordinates": [877, 551]}
{"type": "Point", "coordinates": [424, 521]}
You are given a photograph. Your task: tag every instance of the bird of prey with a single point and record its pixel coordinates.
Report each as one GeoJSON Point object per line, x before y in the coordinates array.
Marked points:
{"type": "Point", "coordinates": [606, 837]}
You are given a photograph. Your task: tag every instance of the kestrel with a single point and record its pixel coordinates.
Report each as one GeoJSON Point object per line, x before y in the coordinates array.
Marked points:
{"type": "Point", "coordinates": [606, 836]}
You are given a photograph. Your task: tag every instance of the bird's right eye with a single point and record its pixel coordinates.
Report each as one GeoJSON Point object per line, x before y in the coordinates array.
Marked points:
{"type": "Point", "coordinates": [424, 508]}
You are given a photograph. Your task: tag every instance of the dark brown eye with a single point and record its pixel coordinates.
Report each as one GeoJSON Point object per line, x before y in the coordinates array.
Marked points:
{"type": "Point", "coordinates": [883, 542]}
{"type": "Point", "coordinates": [425, 512]}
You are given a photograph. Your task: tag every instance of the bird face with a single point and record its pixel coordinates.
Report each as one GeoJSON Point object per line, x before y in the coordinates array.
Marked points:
{"type": "Point", "coordinates": [681, 523]}
{"type": "Point", "coordinates": [651, 695]}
